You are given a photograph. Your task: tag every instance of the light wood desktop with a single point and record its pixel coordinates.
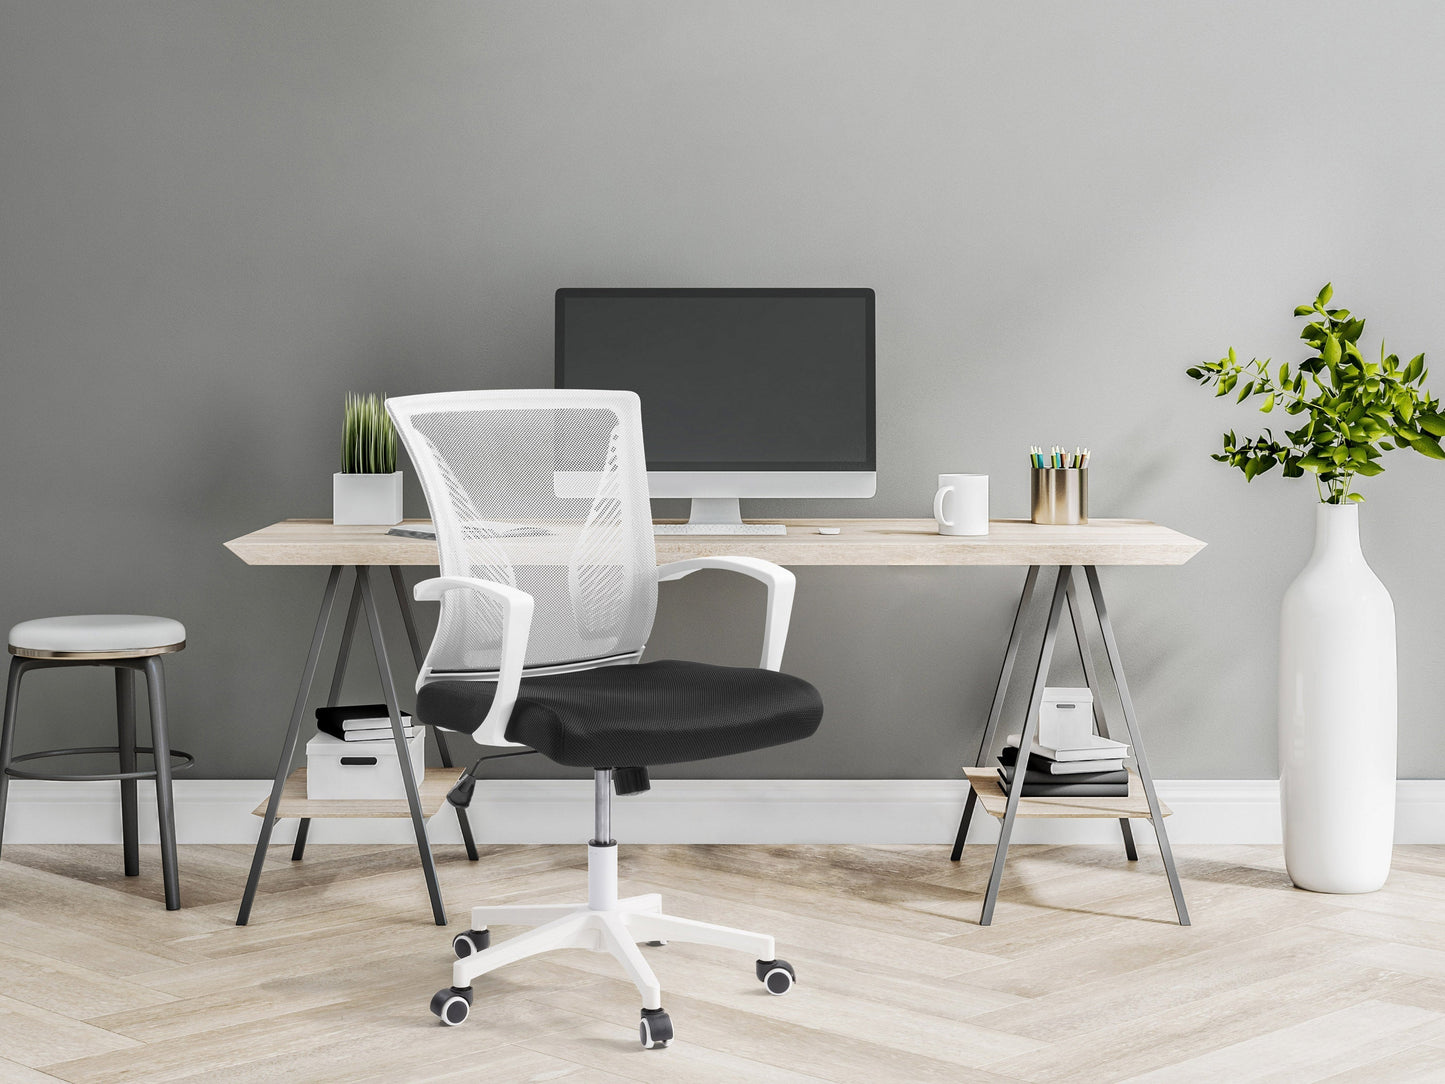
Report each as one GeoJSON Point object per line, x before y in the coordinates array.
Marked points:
{"type": "Point", "coordinates": [858, 542]}
{"type": "Point", "coordinates": [861, 542]}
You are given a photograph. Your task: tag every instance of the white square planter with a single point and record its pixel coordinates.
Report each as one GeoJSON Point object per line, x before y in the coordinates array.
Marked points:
{"type": "Point", "coordinates": [366, 498]}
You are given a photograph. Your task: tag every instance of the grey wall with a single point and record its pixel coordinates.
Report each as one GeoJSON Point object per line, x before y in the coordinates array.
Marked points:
{"type": "Point", "coordinates": [215, 218]}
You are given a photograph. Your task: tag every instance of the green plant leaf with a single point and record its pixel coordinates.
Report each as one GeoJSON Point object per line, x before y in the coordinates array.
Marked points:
{"type": "Point", "coordinates": [1431, 423]}
{"type": "Point", "coordinates": [1352, 411]}
{"type": "Point", "coordinates": [1428, 446]}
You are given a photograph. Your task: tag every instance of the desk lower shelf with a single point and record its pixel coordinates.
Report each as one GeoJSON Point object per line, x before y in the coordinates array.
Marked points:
{"type": "Point", "coordinates": [294, 802]}
{"type": "Point", "coordinates": [994, 801]}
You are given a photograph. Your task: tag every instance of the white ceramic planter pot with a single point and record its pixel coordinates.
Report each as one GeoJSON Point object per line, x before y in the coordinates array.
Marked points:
{"type": "Point", "coordinates": [366, 498]}
{"type": "Point", "coordinates": [1337, 719]}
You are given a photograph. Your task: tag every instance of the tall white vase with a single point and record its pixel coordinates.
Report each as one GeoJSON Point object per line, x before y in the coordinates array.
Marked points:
{"type": "Point", "coordinates": [1337, 718]}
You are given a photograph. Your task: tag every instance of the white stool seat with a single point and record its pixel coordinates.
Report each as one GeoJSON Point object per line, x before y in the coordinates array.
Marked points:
{"type": "Point", "coordinates": [105, 636]}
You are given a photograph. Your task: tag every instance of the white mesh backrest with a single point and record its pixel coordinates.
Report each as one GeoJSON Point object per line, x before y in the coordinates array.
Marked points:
{"type": "Point", "coordinates": [545, 491]}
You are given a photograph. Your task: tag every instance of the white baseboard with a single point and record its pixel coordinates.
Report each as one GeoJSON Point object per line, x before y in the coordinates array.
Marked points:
{"type": "Point", "coordinates": [688, 811]}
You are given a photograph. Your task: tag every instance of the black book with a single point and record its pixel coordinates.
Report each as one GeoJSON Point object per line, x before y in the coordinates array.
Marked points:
{"type": "Point", "coordinates": [1065, 787]}
{"type": "Point", "coordinates": [346, 721]}
{"type": "Point", "coordinates": [343, 712]}
{"type": "Point", "coordinates": [1038, 771]}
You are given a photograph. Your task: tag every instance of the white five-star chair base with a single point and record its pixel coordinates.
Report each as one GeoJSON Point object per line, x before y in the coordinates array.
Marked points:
{"type": "Point", "coordinates": [604, 924]}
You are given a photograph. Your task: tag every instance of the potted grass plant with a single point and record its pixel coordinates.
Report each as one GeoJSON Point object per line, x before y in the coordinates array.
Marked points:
{"type": "Point", "coordinates": [1337, 682]}
{"type": "Point", "coordinates": [367, 489]}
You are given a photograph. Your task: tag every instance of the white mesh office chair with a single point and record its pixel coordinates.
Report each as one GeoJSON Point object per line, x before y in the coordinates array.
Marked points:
{"type": "Point", "coordinates": [548, 588]}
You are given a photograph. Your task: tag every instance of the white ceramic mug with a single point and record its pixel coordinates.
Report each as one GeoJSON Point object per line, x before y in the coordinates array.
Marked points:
{"type": "Point", "coordinates": [961, 504]}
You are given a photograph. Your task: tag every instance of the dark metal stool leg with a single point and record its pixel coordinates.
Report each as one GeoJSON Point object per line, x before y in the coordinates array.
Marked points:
{"type": "Point", "coordinates": [409, 620]}
{"type": "Point", "coordinates": [18, 666]}
{"type": "Point", "coordinates": [1000, 691]}
{"type": "Point", "coordinates": [288, 749]}
{"type": "Point", "coordinates": [125, 731]}
{"type": "Point", "coordinates": [1026, 740]}
{"type": "Point", "coordinates": [161, 742]}
{"type": "Point", "coordinates": [413, 797]}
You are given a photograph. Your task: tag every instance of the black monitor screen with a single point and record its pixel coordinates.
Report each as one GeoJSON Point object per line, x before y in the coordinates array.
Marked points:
{"type": "Point", "coordinates": [731, 379]}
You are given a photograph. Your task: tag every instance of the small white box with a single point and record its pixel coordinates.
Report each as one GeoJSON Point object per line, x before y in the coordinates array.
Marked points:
{"type": "Point", "coordinates": [1066, 718]}
{"type": "Point", "coordinates": [338, 770]}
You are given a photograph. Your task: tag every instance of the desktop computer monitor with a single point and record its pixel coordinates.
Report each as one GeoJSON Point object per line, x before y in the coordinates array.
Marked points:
{"type": "Point", "coordinates": [745, 392]}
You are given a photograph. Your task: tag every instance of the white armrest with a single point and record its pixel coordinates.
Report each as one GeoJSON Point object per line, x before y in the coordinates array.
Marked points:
{"type": "Point", "coordinates": [516, 626]}
{"type": "Point", "coordinates": [780, 595]}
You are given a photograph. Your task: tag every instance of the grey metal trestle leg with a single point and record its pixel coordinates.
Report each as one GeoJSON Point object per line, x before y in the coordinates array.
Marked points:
{"type": "Point", "coordinates": [413, 797]}
{"type": "Point", "coordinates": [1156, 815]}
{"type": "Point", "coordinates": [408, 618]}
{"type": "Point", "coordinates": [288, 748]}
{"type": "Point", "coordinates": [1015, 789]}
{"type": "Point", "coordinates": [1091, 678]}
{"type": "Point", "coordinates": [338, 674]}
{"type": "Point", "coordinates": [298, 849]}
{"type": "Point", "coordinates": [362, 600]}
{"type": "Point", "coordinates": [1005, 675]}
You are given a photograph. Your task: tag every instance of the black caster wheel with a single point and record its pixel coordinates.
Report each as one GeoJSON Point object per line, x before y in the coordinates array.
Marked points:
{"type": "Point", "coordinates": [655, 1029]}
{"type": "Point", "coordinates": [452, 1004]}
{"type": "Point", "coordinates": [656, 944]}
{"type": "Point", "coordinates": [777, 975]}
{"type": "Point", "coordinates": [471, 942]}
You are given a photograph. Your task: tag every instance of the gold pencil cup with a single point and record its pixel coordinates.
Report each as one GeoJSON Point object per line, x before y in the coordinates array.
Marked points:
{"type": "Point", "coordinates": [1059, 494]}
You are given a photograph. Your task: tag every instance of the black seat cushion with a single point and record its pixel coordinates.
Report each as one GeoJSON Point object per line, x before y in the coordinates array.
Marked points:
{"type": "Point", "coordinates": [624, 716]}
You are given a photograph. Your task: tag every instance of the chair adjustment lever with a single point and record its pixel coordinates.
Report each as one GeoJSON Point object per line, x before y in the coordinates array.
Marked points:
{"type": "Point", "coordinates": [461, 793]}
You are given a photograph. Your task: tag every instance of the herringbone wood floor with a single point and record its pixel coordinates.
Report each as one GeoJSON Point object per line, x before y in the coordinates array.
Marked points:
{"type": "Point", "coordinates": [1083, 976]}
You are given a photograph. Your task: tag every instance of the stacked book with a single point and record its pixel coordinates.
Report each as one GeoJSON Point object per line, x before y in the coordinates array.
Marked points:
{"type": "Point", "coordinates": [361, 722]}
{"type": "Point", "coordinates": [1089, 767]}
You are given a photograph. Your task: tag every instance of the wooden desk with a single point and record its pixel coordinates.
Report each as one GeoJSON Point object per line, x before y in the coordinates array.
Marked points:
{"type": "Point", "coordinates": [1074, 552]}
{"type": "Point", "coordinates": [859, 542]}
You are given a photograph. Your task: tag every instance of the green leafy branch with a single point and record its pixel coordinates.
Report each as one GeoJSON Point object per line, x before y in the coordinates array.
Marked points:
{"type": "Point", "coordinates": [368, 439]}
{"type": "Point", "coordinates": [1350, 411]}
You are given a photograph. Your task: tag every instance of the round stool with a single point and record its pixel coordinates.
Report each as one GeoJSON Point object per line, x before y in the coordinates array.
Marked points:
{"type": "Point", "coordinates": [127, 643]}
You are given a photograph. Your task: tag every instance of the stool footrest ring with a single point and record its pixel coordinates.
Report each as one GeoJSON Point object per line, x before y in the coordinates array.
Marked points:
{"type": "Point", "coordinates": [179, 762]}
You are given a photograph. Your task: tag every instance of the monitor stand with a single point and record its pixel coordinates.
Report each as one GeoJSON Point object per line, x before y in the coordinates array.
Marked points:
{"type": "Point", "coordinates": [717, 515]}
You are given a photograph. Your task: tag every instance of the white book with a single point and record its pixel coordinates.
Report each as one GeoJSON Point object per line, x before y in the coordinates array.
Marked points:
{"type": "Point", "coordinates": [1096, 749]}
{"type": "Point", "coordinates": [373, 723]}
{"type": "Point", "coordinates": [1081, 767]}
{"type": "Point", "coordinates": [378, 734]}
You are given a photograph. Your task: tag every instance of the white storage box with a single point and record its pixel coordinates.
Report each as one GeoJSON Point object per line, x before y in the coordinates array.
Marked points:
{"type": "Point", "coordinates": [1066, 718]}
{"type": "Point", "coordinates": [337, 769]}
